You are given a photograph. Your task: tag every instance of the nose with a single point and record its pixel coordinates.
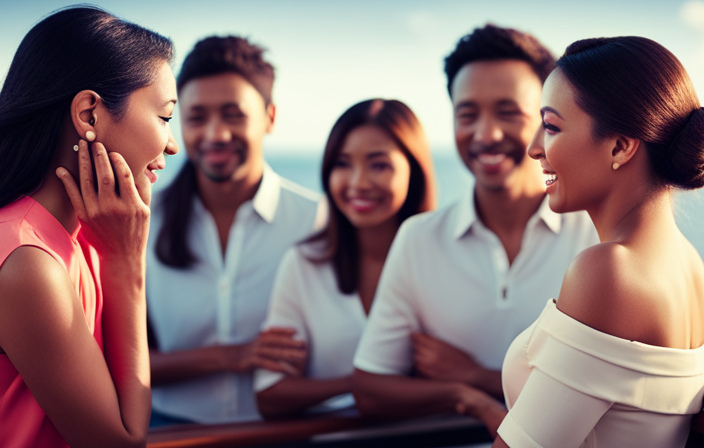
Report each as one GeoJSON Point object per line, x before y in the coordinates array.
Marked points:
{"type": "Point", "coordinates": [359, 178]}
{"type": "Point", "coordinates": [171, 145]}
{"type": "Point", "coordinates": [487, 130]}
{"type": "Point", "coordinates": [217, 131]}
{"type": "Point", "coordinates": [535, 148]}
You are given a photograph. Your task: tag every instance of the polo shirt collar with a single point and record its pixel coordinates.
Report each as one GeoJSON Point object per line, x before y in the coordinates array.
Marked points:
{"type": "Point", "coordinates": [467, 215]}
{"type": "Point", "coordinates": [266, 199]}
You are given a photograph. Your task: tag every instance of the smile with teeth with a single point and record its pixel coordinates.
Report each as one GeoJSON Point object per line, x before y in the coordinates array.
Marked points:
{"type": "Point", "coordinates": [491, 159]}
{"type": "Point", "coordinates": [362, 204]}
{"type": "Point", "coordinates": [551, 178]}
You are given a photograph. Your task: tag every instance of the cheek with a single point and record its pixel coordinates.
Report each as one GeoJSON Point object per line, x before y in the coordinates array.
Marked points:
{"type": "Point", "coordinates": [397, 186]}
{"type": "Point", "coordinates": [338, 184]}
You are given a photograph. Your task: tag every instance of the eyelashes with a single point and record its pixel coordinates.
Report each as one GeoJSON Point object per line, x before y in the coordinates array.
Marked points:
{"type": "Point", "coordinates": [550, 128]}
{"type": "Point", "coordinates": [166, 119]}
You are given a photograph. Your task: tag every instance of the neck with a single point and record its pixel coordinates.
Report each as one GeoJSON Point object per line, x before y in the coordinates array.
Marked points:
{"type": "Point", "coordinates": [630, 212]}
{"type": "Point", "coordinates": [226, 197]}
{"type": "Point", "coordinates": [374, 243]}
{"type": "Point", "coordinates": [508, 209]}
{"type": "Point", "coordinates": [52, 194]}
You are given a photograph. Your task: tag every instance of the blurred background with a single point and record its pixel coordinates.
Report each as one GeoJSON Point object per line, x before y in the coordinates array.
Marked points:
{"type": "Point", "coordinates": [331, 54]}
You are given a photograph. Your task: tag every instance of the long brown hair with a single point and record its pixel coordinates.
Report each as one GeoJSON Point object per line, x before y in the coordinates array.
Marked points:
{"type": "Point", "coordinates": [338, 238]}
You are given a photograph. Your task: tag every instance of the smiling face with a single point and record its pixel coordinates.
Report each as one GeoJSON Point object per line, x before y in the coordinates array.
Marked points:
{"type": "Point", "coordinates": [369, 182]}
{"type": "Point", "coordinates": [224, 120]}
{"type": "Point", "coordinates": [141, 136]}
{"type": "Point", "coordinates": [496, 113]}
{"type": "Point", "coordinates": [577, 167]}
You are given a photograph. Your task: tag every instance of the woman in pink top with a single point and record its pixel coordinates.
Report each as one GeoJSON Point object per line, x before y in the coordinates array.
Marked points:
{"type": "Point", "coordinates": [84, 114]}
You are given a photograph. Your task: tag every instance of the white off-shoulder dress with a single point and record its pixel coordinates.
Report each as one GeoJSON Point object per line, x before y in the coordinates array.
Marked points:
{"type": "Point", "coordinates": [569, 385]}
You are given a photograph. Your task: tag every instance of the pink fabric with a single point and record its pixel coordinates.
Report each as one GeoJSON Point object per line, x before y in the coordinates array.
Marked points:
{"type": "Point", "coordinates": [26, 223]}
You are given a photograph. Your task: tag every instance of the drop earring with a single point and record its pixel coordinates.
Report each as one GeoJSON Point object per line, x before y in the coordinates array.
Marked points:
{"type": "Point", "coordinates": [615, 166]}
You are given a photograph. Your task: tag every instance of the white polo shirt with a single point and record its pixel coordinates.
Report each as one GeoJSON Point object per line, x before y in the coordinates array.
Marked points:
{"type": "Point", "coordinates": [306, 297]}
{"type": "Point", "coordinates": [448, 275]}
{"type": "Point", "coordinates": [224, 301]}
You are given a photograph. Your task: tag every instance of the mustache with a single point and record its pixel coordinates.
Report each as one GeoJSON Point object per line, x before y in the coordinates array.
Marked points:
{"type": "Point", "coordinates": [233, 146]}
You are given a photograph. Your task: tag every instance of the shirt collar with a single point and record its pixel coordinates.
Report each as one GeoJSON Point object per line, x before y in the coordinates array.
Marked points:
{"type": "Point", "coordinates": [467, 215]}
{"type": "Point", "coordinates": [266, 199]}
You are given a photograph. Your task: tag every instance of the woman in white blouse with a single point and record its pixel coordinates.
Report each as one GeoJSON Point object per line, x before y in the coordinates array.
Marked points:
{"type": "Point", "coordinates": [618, 361]}
{"type": "Point", "coordinates": [377, 171]}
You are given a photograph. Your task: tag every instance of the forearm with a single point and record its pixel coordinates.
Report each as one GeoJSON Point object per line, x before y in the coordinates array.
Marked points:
{"type": "Point", "coordinates": [292, 395]}
{"type": "Point", "coordinates": [125, 340]}
{"type": "Point", "coordinates": [401, 396]}
{"type": "Point", "coordinates": [489, 381]}
{"type": "Point", "coordinates": [184, 365]}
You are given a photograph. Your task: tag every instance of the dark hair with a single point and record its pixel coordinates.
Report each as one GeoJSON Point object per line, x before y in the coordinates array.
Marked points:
{"type": "Point", "coordinates": [399, 122]}
{"type": "Point", "coordinates": [74, 49]}
{"type": "Point", "coordinates": [493, 43]}
{"type": "Point", "coordinates": [230, 54]}
{"type": "Point", "coordinates": [635, 87]}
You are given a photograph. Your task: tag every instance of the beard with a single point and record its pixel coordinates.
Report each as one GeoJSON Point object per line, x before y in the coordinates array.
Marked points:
{"type": "Point", "coordinates": [230, 157]}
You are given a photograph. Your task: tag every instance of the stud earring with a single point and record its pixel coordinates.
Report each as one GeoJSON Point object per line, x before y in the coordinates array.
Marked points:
{"type": "Point", "coordinates": [615, 166]}
{"type": "Point", "coordinates": [90, 136]}
{"type": "Point", "coordinates": [75, 148]}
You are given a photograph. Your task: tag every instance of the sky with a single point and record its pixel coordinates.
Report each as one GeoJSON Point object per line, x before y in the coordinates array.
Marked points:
{"type": "Point", "coordinates": [331, 54]}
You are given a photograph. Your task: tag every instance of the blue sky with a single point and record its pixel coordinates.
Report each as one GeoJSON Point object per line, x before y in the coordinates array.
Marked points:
{"type": "Point", "coordinates": [331, 54]}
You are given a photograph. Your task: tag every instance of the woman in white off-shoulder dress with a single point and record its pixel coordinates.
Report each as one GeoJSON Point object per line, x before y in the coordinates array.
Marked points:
{"type": "Point", "coordinates": [618, 360]}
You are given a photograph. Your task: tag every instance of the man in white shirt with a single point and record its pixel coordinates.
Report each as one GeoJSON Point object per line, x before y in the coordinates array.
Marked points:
{"type": "Point", "coordinates": [461, 283]}
{"type": "Point", "coordinates": [218, 233]}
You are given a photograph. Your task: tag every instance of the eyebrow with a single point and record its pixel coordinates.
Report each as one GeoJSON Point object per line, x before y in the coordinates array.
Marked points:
{"type": "Point", "coordinates": [377, 154]}
{"type": "Point", "coordinates": [549, 109]}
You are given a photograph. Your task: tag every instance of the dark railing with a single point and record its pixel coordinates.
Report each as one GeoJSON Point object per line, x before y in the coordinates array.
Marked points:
{"type": "Point", "coordinates": [339, 430]}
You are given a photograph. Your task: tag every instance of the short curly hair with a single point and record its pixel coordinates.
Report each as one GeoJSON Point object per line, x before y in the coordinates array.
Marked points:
{"type": "Point", "coordinates": [229, 54]}
{"type": "Point", "coordinates": [494, 43]}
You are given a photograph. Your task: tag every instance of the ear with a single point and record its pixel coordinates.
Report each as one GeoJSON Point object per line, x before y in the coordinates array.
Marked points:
{"type": "Point", "coordinates": [624, 149]}
{"type": "Point", "coordinates": [83, 109]}
{"type": "Point", "coordinates": [271, 114]}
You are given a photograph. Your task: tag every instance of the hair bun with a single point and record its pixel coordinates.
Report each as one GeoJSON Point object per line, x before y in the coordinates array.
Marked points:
{"type": "Point", "coordinates": [684, 167]}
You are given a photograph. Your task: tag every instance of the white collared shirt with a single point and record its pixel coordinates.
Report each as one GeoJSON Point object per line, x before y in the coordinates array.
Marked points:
{"type": "Point", "coordinates": [223, 301]}
{"type": "Point", "coordinates": [306, 297]}
{"type": "Point", "coordinates": [448, 275]}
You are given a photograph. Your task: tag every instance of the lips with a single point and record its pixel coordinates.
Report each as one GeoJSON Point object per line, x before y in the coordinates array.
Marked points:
{"type": "Point", "coordinates": [151, 174]}
{"type": "Point", "coordinates": [490, 159]}
{"type": "Point", "coordinates": [362, 205]}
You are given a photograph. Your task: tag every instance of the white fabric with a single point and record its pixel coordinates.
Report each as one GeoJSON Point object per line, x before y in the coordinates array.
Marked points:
{"type": "Point", "coordinates": [449, 276]}
{"type": "Point", "coordinates": [306, 297]}
{"type": "Point", "coordinates": [569, 385]}
{"type": "Point", "coordinates": [224, 301]}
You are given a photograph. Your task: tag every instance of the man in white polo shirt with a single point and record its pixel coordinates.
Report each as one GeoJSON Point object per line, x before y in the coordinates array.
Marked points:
{"type": "Point", "coordinates": [461, 283]}
{"type": "Point", "coordinates": [218, 233]}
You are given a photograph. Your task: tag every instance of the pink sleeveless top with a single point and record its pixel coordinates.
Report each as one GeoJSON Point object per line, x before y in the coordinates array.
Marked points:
{"type": "Point", "coordinates": [26, 223]}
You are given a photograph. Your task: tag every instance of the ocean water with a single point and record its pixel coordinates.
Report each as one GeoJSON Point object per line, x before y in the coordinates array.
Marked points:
{"type": "Point", "coordinates": [454, 180]}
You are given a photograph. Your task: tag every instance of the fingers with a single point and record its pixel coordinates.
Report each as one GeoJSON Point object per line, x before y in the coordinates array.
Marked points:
{"type": "Point", "coordinates": [280, 331]}
{"type": "Point", "coordinates": [103, 170]}
{"type": "Point", "coordinates": [288, 355]}
{"type": "Point", "coordinates": [74, 194]}
{"type": "Point", "coordinates": [85, 175]}
{"type": "Point", "coordinates": [269, 340]}
{"type": "Point", "coordinates": [123, 175]}
{"type": "Point", "coordinates": [277, 366]}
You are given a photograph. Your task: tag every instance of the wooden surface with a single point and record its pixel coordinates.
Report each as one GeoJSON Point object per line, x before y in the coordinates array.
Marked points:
{"type": "Point", "coordinates": [331, 429]}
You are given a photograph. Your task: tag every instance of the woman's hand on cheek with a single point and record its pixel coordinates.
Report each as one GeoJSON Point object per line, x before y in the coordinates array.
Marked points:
{"type": "Point", "coordinates": [116, 224]}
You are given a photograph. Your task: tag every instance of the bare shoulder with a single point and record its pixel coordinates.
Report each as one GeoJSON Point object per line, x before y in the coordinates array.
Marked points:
{"type": "Point", "coordinates": [604, 289]}
{"type": "Point", "coordinates": [36, 290]}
